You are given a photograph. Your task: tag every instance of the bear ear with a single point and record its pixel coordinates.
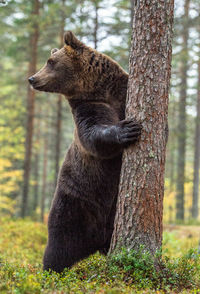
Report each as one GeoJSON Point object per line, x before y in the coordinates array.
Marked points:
{"type": "Point", "coordinates": [54, 50]}
{"type": "Point", "coordinates": [71, 40]}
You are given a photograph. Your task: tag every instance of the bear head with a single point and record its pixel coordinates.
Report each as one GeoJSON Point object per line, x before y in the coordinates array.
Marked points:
{"type": "Point", "coordinates": [74, 69]}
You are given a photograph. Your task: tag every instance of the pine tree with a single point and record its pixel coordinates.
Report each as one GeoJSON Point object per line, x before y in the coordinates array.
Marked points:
{"type": "Point", "coordinates": [34, 35]}
{"type": "Point", "coordinates": [182, 116]}
{"type": "Point", "coordinates": [195, 199]}
{"type": "Point", "coordinates": [140, 201]}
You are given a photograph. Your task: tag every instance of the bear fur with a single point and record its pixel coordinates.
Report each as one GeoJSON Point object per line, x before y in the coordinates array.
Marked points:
{"type": "Point", "coordinates": [82, 214]}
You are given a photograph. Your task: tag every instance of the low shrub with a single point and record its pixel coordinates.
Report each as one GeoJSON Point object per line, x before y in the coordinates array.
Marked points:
{"type": "Point", "coordinates": [22, 245]}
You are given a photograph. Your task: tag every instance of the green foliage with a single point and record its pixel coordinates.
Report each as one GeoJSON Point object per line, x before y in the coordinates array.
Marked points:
{"type": "Point", "coordinates": [7, 206]}
{"type": "Point", "coordinates": [11, 133]}
{"type": "Point", "coordinates": [145, 271]}
{"type": "Point", "coordinates": [22, 245]}
{"type": "Point", "coordinates": [180, 240]}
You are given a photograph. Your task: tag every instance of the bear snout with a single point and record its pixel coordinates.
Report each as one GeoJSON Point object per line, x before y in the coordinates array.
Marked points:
{"type": "Point", "coordinates": [31, 80]}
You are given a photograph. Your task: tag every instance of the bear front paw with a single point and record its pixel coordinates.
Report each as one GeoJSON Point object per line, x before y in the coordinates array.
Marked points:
{"type": "Point", "coordinates": [129, 132]}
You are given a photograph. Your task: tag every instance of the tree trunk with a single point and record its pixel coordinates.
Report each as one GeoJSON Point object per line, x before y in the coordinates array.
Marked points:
{"type": "Point", "coordinates": [58, 135]}
{"type": "Point", "coordinates": [59, 103]}
{"type": "Point", "coordinates": [182, 118]}
{"type": "Point", "coordinates": [172, 149]}
{"type": "Point", "coordinates": [132, 11]}
{"type": "Point", "coordinates": [140, 201]}
{"type": "Point", "coordinates": [96, 24]}
{"type": "Point", "coordinates": [172, 164]}
{"type": "Point", "coordinates": [195, 198]}
{"type": "Point", "coordinates": [30, 109]}
{"type": "Point", "coordinates": [36, 169]}
{"type": "Point", "coordinates": [44, 177]}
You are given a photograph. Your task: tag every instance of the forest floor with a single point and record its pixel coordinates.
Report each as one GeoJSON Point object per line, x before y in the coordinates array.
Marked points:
{"type": "Point", "coordinates": [22, 244]}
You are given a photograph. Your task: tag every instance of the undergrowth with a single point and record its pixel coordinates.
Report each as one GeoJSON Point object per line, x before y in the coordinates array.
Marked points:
{"type": "Point", "coordinates": [22, 244]}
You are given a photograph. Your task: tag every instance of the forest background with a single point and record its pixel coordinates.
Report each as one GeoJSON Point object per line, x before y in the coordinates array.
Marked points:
{"type": "Point", "coordinates": [37, 128]}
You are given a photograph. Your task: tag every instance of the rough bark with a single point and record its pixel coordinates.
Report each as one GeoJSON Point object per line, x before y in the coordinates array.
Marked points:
{"type": "Point", "coordinates": [140, 201]}
{"type": "Point", "coordinates": [182, 118]}
{"type": "Point", "coordinates": [195, 198]}
{"type": "Point", "coordinates": [30, 109]}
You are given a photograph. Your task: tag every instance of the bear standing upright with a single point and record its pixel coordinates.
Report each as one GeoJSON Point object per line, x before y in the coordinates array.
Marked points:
{"type": "Point", "coordinates": [82, 214]}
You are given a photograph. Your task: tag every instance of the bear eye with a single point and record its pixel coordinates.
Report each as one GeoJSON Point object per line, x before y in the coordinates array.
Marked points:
{"type": "Point", "coordinates": [50, 62]}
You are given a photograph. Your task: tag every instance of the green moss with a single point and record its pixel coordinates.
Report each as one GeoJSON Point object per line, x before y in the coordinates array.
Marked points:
{"type": "Point", "coordinates": [151, 154]}
{"type": "Point", "coordinates": [22, 244]}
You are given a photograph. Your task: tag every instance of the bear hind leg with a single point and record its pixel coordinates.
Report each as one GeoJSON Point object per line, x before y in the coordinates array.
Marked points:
{"type": "Point", "coordinates": [74, 234]}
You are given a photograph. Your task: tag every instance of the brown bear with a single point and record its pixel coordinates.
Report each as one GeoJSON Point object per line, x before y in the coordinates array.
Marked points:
{"type": "Point", "coordinates": [82, 214]}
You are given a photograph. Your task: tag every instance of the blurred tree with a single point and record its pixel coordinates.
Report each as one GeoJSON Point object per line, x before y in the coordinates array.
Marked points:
{"type": "Point", "coordinates": [96, 23]}
{"type": "Point", "coordinates": [119, 29]}
{"type": "Point", "coordinates": [53, 16]}
{"type": "Point", "coordinates": [34, 35]}
{"type": "Point", "coordinates": [44, 177]}
{"type": "Point", "coordinates": [11, 108]}
{"type": "Point", "coordinates": [181, 132]}
{"type": "Point", "coordinates": [195, 200]}
{"type": "Point", "coordinates": [91, 24]}
{"type": "Point", "coordinates": [36, 163]}
{"type": "Point", "coordinates": [59, 99]}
